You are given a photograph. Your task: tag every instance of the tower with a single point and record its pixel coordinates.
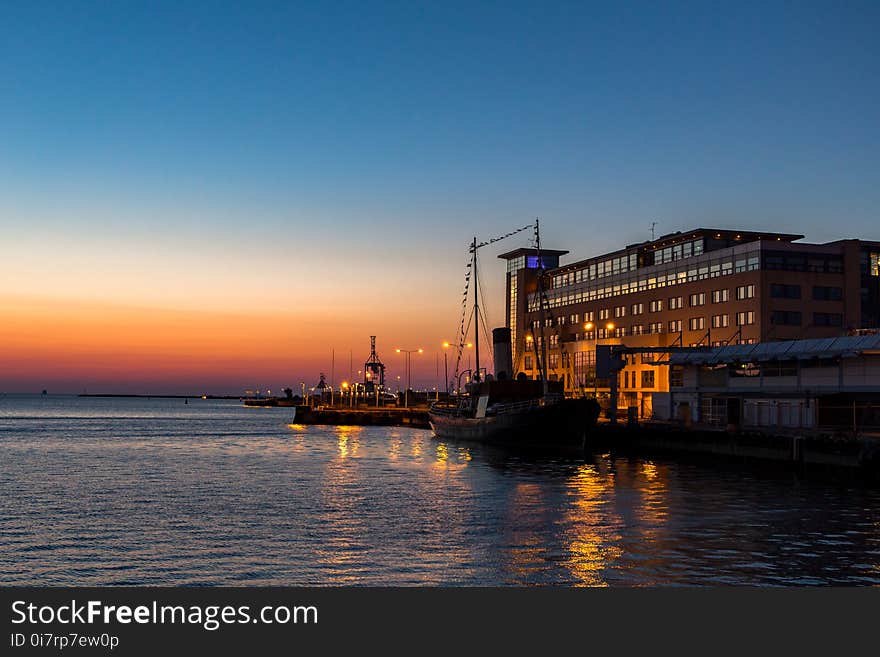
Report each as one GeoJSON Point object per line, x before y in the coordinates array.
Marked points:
{"type": "Point", "coordinates": [374, 370]}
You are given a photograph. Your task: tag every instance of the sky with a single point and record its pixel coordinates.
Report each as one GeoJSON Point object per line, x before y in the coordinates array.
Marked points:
{"type": "Point", "coordinates": [210, 196]}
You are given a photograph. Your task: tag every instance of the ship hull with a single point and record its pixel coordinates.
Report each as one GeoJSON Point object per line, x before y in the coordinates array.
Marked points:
{"type": "Point", "coordinates": [566, 423]}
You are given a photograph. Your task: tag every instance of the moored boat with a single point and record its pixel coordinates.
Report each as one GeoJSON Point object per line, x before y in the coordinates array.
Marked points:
{"type": "Point", "coordinates": [504, 410]}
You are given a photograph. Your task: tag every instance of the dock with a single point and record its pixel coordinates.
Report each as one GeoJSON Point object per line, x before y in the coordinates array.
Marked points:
{"type": "Point", "coordinates": [391, 416]}
{"type": "Point", "coordinates": [801, 448]}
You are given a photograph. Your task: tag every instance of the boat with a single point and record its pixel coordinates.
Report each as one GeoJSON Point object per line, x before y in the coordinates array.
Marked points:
{"type": "Point", "coordinates": [504, 410]}
{"type": "Point", "coordinates": [258, 399]}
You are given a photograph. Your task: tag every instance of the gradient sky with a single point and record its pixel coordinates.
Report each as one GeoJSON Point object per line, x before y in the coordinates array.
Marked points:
{"type": "Point", "coordinates": [209, 196]}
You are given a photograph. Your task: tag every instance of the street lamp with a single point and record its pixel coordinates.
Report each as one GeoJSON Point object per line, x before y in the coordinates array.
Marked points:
{"type": "Point", "coordinates": [408, 353]}
{"type": "Point", "coordinates": [446, 368]}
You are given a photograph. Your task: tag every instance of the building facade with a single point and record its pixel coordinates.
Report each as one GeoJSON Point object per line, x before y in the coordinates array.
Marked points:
{"type": "Point", "coordinates": [830, 384]}
{"type": "Point", "coordinates": [704, 287]}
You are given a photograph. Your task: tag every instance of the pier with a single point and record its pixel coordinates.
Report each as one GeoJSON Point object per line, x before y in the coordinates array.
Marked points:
{"type": "Point", "coordinates": [388, 416]}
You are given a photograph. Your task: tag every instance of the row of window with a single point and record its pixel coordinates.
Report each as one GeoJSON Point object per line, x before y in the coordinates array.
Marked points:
{"type": "Point", "coordinates": [575, 286]}
{"type": "Point", "coordinates": [611, 266]}
{"type": "Point", "coordinates": [820, 292]}
{"type": "Point", "coordinates": [720, 321]}
{"type": "Point", "coordinates": [678, 251]}
{"type": "Point", "coordinates": [673, 326]}
{"type": "Point", "coordinates": [630, 379]}
{"type": "Point", "coordinates": [655, 306]}
{"type": "Point", "coordinates": [572, 288]}
{"type": "Point", "coordinates": [795, 318]}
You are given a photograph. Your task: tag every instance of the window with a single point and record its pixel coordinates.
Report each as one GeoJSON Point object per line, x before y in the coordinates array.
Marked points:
{"type": "Point", "coordinates": [620, 332]}
{"type": "Point", "coordinates": [697, 323]}
{"type": "Point", "coordinates": [637, 329]}
{"type": "Point", "coordinates": [827, 319]}
{"type": "Point", "coordinates": [561, 321]}
{"type": "Point", "coordinates": [675, 326]}
{"type": "Point", "coordinates": [605, 313]}
{"type": "Point", "coordinates": [589, 316]}
{"type": "Point", "coordinates": [698, 299]}
{"type": "Point", "coordinates": [553, 361]}
{"type": "Point", "coordinates": [676, 376]}
{"type": "Point", "coordinates": [527, 363]}
{"type": "Point", "coordinates": [720, 321]}
{"type": "Point", "coordinates": [554, 340]}
{"type": "Point", "coordinates": [745, 292]}
{"type": "Point", "coordinates": [875, 264]}
{"type": "Point", "coordinates": [655, 327]}
{"type": "Point", "coordinates": [656, 306]}
{"type": "Point", "coordinates": [746, 318]}
{"type": "Point", "coordinates": [619, 311]}
{"type": "Point", "coordinates": [779, 291]}
{"type": "Point", "coordinates": [637, 308]}
{"type": "Point", "coordinates": [675, 303]}
{"type": "Point", "coordinates": [822, 293]}
{"type": "Point", "coordinates": [648, 379]}
{"type": "Point", "coordinates": [779, 368]}
{"type": "Point", "coordinates": [720, 296]}
{"type": "Point", "coordinates": [574, 319]}
{"type": "Point", "coordinates": [785, 318]}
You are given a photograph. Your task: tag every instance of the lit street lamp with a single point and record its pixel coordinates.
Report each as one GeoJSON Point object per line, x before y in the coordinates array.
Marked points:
{"type": "Point", "coordinates": [408, 352]}
{"type": "Point", "coordinates": [446, 368]}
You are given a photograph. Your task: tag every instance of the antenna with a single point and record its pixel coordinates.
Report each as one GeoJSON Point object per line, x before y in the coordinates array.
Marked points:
{"type": "Point", "coordinates": [653, 223]}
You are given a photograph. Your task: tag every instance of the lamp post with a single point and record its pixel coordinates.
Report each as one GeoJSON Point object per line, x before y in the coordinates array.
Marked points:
{"type": "Point", "coordinates": [408, 353]}
{"type": "Point", "coordinates": [446, 368]}
{"type": "Point", "coordinates": [612, 382]}
{"type": "Point", "coordinates": [589, 326]}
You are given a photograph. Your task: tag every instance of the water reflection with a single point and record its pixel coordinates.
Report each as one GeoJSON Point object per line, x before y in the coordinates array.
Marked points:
{"type": "Point", "coordinates": [141, 493]}
{"type": "Point", "coordinates": [592, 540]}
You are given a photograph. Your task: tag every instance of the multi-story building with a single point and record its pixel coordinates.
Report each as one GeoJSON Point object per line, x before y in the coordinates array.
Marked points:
{"type": "Point", "coordinates": [705, 287]}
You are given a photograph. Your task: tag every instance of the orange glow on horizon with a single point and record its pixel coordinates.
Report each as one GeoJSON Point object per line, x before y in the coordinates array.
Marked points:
{"type": "Point", "coordinates": [67, 346]}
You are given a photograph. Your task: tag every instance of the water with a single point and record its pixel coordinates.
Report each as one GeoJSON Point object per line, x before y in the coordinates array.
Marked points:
{"type": "Point", "coordinates": [151, 491]}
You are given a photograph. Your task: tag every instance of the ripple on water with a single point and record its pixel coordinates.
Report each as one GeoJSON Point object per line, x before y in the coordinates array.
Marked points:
{"type": "Point", "coordinates": [132, 491]}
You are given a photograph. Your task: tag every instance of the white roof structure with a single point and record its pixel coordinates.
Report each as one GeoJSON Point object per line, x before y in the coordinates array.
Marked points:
{"type": "Point", "coordinates": [845, 347]}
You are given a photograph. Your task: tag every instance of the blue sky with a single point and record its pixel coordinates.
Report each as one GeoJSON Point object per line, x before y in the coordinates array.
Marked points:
{"type": "Point", "coordinates": [252, 140]}
{"type": "Point", "coordinates": [574, 111]}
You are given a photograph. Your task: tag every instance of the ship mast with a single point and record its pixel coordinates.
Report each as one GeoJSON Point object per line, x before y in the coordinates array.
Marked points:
{"type": "Point", "coordinates": [476, 314]}
{"type": "Point", "coordinates": [474, 247]}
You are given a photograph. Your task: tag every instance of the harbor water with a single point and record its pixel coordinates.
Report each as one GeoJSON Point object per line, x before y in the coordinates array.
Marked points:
{"type": "Point", "coordinates": [131, 491]}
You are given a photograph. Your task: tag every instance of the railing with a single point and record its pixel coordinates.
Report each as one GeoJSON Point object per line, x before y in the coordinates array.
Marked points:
{"type": "Point", "coordinates": [465, 407]}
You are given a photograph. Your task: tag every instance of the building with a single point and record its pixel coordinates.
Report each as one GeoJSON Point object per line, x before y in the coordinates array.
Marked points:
{"type": "Point", "coordinates": [824, 384]}
{"type": "Point", "coordinates": [706, 287]}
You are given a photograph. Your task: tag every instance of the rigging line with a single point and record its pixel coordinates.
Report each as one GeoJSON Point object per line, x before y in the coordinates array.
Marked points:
{"type": "Point", "coordinates": [460, 345]}
{"type": "Point", "coordinates": [485, 326]}
{"type": "Point", "coordinates": [501, 237]}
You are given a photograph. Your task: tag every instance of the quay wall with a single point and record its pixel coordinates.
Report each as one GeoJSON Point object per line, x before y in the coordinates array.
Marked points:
{"type": "Point", "coordinates": [798, 448]}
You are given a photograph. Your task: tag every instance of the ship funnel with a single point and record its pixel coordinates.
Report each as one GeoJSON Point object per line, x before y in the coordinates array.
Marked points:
{"type": "Point", "coordinates": [503, 355]}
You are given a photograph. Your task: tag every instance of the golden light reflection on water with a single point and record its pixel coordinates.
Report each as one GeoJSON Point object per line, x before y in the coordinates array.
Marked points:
{"type": "Point", "coordinates": [528, 548]}
{"type": "Point", "coordinates": [347, 440]}
{"type": "Point", "coordinates": [446, 460]}
{"type": "Point", "coordinates": [341, 551]}
{"type": "Point", "coordinates": [653, 508]}
{"type": "Point", "coordinates": [593, 540]}
{"type": "Point", "coordinates": [394, 446]}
